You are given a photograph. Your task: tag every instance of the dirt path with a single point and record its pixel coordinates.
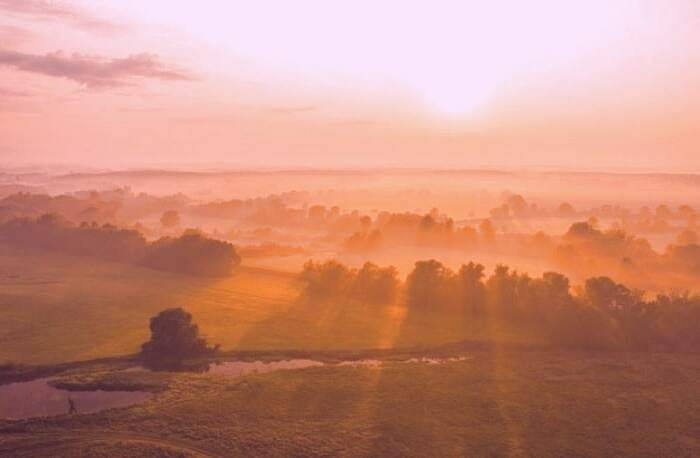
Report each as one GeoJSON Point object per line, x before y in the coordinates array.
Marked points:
{"type": "Point", "coordinates": [38, 441]}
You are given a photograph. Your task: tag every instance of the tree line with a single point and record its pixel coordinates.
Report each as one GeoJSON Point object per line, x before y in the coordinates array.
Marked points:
{"type": "Point", "coordinates": [331, 279]}
{"type": "Point", "coordinates": [601, 314]}
{"type": "Point", "coordinates": [191, 253]}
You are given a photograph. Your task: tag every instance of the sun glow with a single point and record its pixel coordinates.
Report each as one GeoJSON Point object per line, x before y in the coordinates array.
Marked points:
{"type": "Point", "coordinates": [454, 94]}
{"type": "Point", "coordinates": [289, 82]}
{"type": "Point", "coordinates": [448, 53]}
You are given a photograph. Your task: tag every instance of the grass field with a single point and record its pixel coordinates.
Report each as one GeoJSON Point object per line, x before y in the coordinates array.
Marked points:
{"type": "Point", "coordinates": [61, 308]}
{"type": "Point", "coordinates": [493, 404]}
{"type": "Point", "coordinates": [499, 402]}
{"type": "Point", "coordinates": [57, 308]}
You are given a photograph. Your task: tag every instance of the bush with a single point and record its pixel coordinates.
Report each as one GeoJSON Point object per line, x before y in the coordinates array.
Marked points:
{"type": "Point", "coordinates": [174, 339]}
{"type": "Point", "coordinates": [193, 254]}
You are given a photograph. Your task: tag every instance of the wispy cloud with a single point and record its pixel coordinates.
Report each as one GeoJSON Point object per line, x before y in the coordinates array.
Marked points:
{"type": "Point", "coordinates": [57, 11]}
{"type": "Point", "coordinates": [93, 71]}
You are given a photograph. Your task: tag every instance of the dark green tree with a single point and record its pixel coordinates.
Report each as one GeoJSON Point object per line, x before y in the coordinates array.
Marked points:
{"type": "Point", "coordinates": [174, 338]}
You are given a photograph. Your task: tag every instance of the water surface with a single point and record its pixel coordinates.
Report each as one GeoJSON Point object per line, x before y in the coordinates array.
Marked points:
{"type": "Point", "coordinates": [238, 368]}
{"type": "Point", "coordinates": [37, 398]}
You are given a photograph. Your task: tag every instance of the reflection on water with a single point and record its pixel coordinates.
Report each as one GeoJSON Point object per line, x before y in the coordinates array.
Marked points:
{"type": "Point", "coordinates": [238, 368]}
{"type": "Point", "coordinates": [362, 362]}
{"type": "Point", "coordinates": [437, 360]}
{"type": "Point", "coordinates": [37, 398]}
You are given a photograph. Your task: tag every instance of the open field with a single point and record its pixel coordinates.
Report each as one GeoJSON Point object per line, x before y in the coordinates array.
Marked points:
{"type": "Point", "coordinates": [62, 308]}
{"type": "Point", "coordinates": [497, 402]}
{"type": "Point", "coordinates": [492, 404]}
{"type": "Point", "coordinates": [57, 308]}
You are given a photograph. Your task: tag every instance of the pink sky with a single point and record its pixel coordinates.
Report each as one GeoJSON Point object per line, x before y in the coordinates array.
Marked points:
{"type": "Point", "coordinates": [444, 84]}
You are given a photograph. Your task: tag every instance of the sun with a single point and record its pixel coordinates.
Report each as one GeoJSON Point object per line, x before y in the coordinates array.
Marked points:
{"type": "Point", "coordinates": [454, 90]}
{"type": "Point", "coordinates": [453, 100]}
{"type": "Point", "coordinates": [453, 103]}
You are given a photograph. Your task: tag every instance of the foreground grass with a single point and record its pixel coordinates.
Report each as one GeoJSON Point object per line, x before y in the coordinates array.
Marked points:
{"type": "Point", "coordinates": [494, 404]}
{"type": "Point", "coordinates": [60, 308]}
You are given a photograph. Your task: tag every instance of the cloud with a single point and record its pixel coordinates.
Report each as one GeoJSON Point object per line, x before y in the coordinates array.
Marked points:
{"type": "Point", "coordinates": [56, 11]}
{"type": "Point", "coordinates": [92, 71]}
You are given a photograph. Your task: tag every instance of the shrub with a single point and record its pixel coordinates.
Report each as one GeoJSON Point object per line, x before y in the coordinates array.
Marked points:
{"type": "Point", "coordinates": [193, 254]}
{"type": "Point", "coordinates": [174, 338]}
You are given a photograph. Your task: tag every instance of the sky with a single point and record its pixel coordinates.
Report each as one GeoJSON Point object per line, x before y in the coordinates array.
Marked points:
{"type": "Point", "coordinates": [322, 83]}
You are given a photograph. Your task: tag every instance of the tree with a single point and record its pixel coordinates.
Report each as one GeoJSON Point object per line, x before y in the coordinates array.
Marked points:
{"type": "Point", "coordinates": [428, 284]}
{"type": "Point", "coordinates": [376, 285]}
{"type": "Point", "coordinates": [662, 211]}
{"type": "Point", "coordinates": [170, 219]}
{"type": "Point", "coordinates": [470, 287]}
{"type": "Point", "coordinates": [366, 222]}
{"type": "Point", "coordinates": [517, 205]}
{"type": "Point", "coordinates": [174, 338]}
{"type": "Point", "coordinates": [583, 230]}
{"type": "Point", "coordinates": [685, 258]}
{"type": "Point", "coordinates": [326, 280]}
{"type": "Point", "coordinates": [605, 294]}
{"type": "Point", "coordinates": [427, 223]}
{"type": "Point", "coordinates": [686, 212]}
{"type": "Point", "coordinates": [549, 295]}
{"type": "Point", "coordinates": [581, 326]}
{"type": "Point", "coordinates": [364, 241]}
{"type": "Point", "coordinates": [687, 237]}
{"type": "Point", "coordinates": [487, 231]}
{"type": "Point", "coordinates": [194, 254]}
{"type": "Point", "coordinates": [565, 210]}
{"type": "Point", "coordinates": [501, 288]}
{"type": "Point", "coordinates": [317, 213]}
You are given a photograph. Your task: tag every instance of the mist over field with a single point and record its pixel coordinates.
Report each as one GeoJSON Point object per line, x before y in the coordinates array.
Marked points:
{"type": "Point", "coordinates": [281, 218]}
{"type": "Point", "coordinates": [331, 228]}
{"type": "Point", "coordinates": [342, 286]}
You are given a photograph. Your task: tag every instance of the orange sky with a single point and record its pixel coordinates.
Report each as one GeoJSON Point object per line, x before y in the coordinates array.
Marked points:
{"type": "Point", "coordinates": [324, 83]}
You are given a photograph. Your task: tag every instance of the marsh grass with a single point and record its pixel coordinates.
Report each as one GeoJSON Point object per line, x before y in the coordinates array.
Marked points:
{"type": "Point", "coordinates": [509, 403]}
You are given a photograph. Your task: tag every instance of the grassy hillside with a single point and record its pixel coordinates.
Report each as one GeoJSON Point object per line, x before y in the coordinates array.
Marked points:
{"type": "Point", "coordinates": [56, 308]}
{"type": "Point", "coordinates": [494, 404]}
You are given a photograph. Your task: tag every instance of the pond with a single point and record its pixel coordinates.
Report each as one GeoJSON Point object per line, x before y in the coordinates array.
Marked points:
{"type": "Point", "coordinates": [37, 398]}
{"type": "Point", "coordinates": [427, 360]}
{"type": "Point", "coordinates": [239, 368]}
